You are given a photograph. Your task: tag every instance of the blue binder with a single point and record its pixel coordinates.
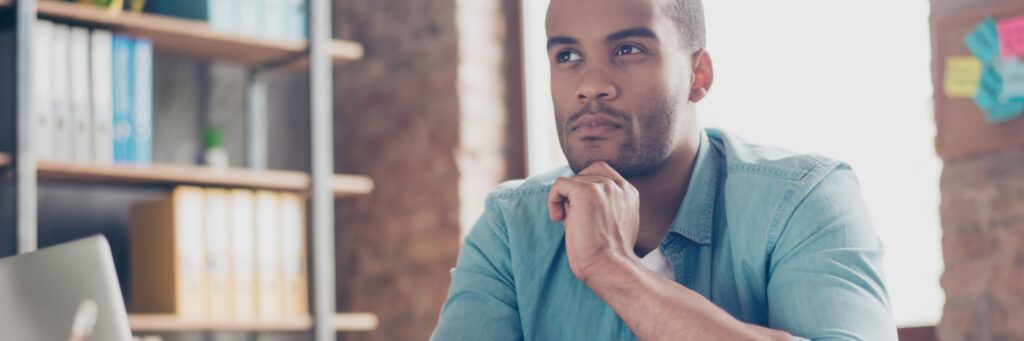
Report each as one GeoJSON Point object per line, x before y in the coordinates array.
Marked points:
{"type": "Point", "coordinates": [124, 99]}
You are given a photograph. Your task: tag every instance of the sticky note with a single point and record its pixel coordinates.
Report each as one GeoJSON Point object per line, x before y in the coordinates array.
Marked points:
{"type": "Point", "coordinates": [963, 74]}
{"type": "Point", "coordinates": [1011, 36]}
{"type": "Point", "coordinates": [1012, 71]}
{"type": "Point", "coordinates": [987, 98]}
{"type": "Point", "coordinates": [983, 41]}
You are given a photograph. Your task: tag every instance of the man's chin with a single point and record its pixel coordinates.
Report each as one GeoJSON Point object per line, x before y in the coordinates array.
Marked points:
{"type": "Point", "coordinates": [579, 164]}
{"type": "Point", "coordinates": [627, 168]}
{"type": "Point", "coordinates": [582, 155]}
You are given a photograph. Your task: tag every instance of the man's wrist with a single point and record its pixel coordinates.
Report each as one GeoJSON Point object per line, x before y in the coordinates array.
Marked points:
{"type": "Point", "coordinates": [610, 267]}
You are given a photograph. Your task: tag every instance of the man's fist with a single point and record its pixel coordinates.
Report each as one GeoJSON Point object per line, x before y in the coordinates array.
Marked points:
{"type": "Point", "coordinates": [601, 214]}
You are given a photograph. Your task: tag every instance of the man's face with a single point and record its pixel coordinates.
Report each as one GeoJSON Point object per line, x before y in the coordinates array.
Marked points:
{"type": "Point", "coordinates": [620, 82]}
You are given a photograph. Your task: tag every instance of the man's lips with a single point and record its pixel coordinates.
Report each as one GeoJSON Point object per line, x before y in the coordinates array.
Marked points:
{"type": "Point", "coordinates": [595, 123]}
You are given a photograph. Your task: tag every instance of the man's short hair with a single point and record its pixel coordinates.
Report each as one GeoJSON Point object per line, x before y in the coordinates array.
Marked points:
{"type": "Point", "coordinates": [689, 18]}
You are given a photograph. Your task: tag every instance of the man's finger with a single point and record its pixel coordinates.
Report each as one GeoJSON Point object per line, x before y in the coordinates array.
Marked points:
{"type": "Point", "coordinates": [560, 195]}
{"type": "Point", "coordinates": [556, 200]}
{"type": "Point", "coordinates": [595, 179]}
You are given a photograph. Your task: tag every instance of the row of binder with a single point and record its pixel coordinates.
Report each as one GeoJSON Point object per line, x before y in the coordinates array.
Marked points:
{"type": "Point", "coordinates": [271, 19]}
{"type": "Point", "coordinates": [92, 95]}
{"type": "Point", "coordinates": [220, 254]}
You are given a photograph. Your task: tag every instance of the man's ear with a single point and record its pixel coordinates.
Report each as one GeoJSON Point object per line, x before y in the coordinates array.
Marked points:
{"type": "Point", "coordinates": [702, 77]}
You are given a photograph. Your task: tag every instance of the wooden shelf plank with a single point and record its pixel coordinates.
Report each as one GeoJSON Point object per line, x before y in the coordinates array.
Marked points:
{"type": "Point", "coordinates": [194, 38]}
{"type": "Point", "coordinates": [342, 186]}
{"type": "Point", "coordinates": [347, 186]}
{"type": "Point", "coordinates": [171, 323]}
{"type": "Point", "coordinates": [355, 322]}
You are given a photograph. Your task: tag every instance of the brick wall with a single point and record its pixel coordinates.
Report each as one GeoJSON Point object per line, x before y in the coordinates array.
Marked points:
{"type": "Point", "coordinates": [983, 243]}
{"type": "Point", "coordinates": [983, 235]}
{"type": "Point", "coordinates": [424, 113]}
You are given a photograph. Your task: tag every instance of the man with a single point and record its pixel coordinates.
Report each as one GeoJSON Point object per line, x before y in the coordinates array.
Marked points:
{"type": "Point", "coordinates": [663, 230]}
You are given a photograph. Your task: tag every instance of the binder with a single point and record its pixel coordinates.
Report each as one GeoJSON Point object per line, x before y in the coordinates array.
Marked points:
{"type": "Point", "coordinates": [42, 112]}
{"type": "Point", "coordinates": [221, 15]}
{"type": "Point", "coordinates": [243, 254]}
{"type": "Point", "coordinates": [296, 21]}
{"type": "Point", "coordinates": [268, 255]}
{"type": "Point", "coordinates": [81, 111]}
{"type": "Point", "coordinates": [124, 151]}
{"type": "Point", "coordinates": [60, 59]}
{"type": "Point", "coordinates": [250, 17]}
{"type": "Point", "coordinates": [143, 105]}
{"type": "Point", "coordinates": [168, 269]}
{"type": "Point", "coordinates": [275, 19]}
{"type": "Point", "coordinates": [102, 96]}
{"type": "Point", "coordinates": [218, 291]}
{"type": "Point", "coordinates": [293, 238]}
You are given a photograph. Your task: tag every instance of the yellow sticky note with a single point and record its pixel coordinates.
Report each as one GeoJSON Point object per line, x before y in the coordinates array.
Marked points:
{"type": "Point", "coordinates": [963, 74]}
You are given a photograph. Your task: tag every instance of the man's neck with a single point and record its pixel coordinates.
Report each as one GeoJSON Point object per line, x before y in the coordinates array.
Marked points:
{"type": "Point", "coordinates": [661, 194]}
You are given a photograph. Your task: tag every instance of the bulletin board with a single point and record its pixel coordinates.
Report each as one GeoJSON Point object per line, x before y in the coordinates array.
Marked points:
{"type": "Point", "coordinates": [962, 128]}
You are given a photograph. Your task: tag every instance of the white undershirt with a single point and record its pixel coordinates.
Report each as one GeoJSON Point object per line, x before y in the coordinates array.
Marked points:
{"type": "Point", "coordinates": [656, 261]}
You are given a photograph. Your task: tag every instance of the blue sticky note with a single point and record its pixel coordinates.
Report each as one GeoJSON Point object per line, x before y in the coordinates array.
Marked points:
{"type": "Point", "coordinates": [983, 41]}
{"type": "Point", "coordinates": [1012, 71]}
{"type": "Point", "coordinates": [988, 98]}
{"type": "Point", "coordinates": [1005, 112]}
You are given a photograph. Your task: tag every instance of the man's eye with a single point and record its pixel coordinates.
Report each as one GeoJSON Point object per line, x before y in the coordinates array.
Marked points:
{"type": "Point", "coordinates": [567, 56]}
{"type": "Point", "coordinates": [627, 50]}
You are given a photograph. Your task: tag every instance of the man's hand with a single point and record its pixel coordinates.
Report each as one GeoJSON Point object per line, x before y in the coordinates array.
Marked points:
{"type": "Point", "coordinates": [601, 213]}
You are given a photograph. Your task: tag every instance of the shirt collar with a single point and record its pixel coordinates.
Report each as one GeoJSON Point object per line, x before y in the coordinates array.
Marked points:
{"type": "Point", "coordinates": [694, 218]}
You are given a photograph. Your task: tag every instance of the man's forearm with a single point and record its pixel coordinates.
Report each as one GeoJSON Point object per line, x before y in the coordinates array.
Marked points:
{"type": "Point", "coordinates": [656, 308]}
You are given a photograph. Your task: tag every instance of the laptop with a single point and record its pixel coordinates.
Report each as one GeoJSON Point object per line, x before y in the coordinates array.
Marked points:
{"type": "Point", "coordinates": [64, 292]}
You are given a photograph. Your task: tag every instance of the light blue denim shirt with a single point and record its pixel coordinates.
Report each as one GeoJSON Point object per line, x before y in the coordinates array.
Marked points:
{"type": "Point", "coordinates": [774, 238]}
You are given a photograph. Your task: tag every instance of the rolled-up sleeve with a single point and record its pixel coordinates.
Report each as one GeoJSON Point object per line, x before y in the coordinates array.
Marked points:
{"type": "Point", "coordinates": [481, 302]}
{"type": "Point", "coordinates": [825, 275]}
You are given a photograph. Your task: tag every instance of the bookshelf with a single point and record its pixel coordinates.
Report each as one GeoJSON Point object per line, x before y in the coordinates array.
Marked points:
{"type": "Point", "coordinates": [171, 323]}
{"type": "Point", "coordinates": [194, 38]}
{"type": "Point", "coordinates": [342, 186]}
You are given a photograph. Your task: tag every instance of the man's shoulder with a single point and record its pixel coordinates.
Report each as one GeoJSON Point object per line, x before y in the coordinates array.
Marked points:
{"type": "Point", "coordinates": [769, 183]}
{"type": "Point", "coordinates": [770, 163]}
{"type": "Point", "coordinates": [529, 187]}
{"type": "Point", "coordinates": [522, 204]}
{"type": "Point", "coordinates": [517, 212]}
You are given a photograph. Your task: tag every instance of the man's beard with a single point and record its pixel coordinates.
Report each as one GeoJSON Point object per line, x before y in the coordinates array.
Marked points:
{"type": "Point", "coordinates": [637, 155]}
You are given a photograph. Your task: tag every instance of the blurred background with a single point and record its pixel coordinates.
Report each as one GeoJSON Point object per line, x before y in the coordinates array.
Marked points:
{"type": "Point", "coordinates": [428, 105]}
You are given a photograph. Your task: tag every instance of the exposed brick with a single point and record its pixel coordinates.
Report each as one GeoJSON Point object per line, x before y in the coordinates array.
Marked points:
{"type": "Point", "coordinates": [983, 246]}
{"type": "Point", "coordinates": [423, 114]}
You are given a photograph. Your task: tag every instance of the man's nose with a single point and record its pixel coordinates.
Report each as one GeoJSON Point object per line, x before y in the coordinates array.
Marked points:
{"type": "Point", "coordinates": [596, 86]}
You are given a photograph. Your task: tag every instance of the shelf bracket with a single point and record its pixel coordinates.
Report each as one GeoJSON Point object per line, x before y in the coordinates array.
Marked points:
{"type": "Point", "coordinates": [287, 63]}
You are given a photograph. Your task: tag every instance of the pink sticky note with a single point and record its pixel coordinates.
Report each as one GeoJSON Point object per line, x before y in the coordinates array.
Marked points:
{"type": "Point", "coordinates": [1011, 36]}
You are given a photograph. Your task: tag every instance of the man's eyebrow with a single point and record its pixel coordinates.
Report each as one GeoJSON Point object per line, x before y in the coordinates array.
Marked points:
{"type": "Point", "coordinates": [562, 40]}
{"type": "Point", "coordinates": [641, 32]}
